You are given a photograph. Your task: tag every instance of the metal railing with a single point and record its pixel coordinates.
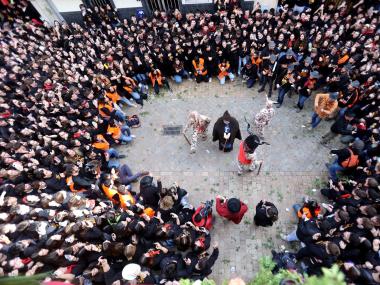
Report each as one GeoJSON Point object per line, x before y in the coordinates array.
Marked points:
{"type": "Point", "coordinates": [163, 5]}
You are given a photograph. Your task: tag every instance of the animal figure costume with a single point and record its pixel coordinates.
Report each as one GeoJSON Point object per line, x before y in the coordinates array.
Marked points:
{"type": "Point", "coordinates": [199, 123]}
{"type": "Point", "coordinates": [262, 118]}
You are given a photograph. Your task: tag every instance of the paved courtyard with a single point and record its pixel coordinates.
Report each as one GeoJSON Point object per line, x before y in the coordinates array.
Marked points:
{"type": "Point", "coordinates": [293, 164]}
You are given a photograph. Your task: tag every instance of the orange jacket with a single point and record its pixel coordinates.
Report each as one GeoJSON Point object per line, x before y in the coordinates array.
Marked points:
{"type": "Point", "coordinates": [113, 96]}
{"type": "Point", "coordinates": [70, 183]}
{"type": "Point", "coordinates": [343, 59]}
{"type": "Point", "coordinates": [115, 132]}
{"type": "Point", "coordinates": [224, 72]}
{"type": "Point", "coordinates": [156, 77]}
{"type": "Point", "coordinates": [132, 84]}
{"type": "Point", "coordinates": [102, 143]}
{"type": "Point", "coordinates": [107, 106]}
{"type": "Point", "coordinates": [125, 199]}
{"type": "Point", "coordinates": [256, 61]}
{"type": "Point", "coordinates": [200, 67]}
{"type": "Point", "coordinates": [308, 213]}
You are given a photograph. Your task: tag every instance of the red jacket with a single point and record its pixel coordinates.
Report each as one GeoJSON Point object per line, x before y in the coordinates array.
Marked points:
{"type": "Point", "coordinates": [223, 211]}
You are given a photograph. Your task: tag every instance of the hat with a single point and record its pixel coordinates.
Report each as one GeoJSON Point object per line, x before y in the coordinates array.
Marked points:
{"type": "Point", "coordinates": [252, 141]}
{"type": "Point", "coordinates": [272, 57]}
{"type": "Point", "coordinates": [289, 52]}
{"type": "Point", "coordinates": [314, 74]}
{"type": "Point", "coordinates": [355, 84]}
{"type": "Point", "coordinates": [130, 271]}
{"type": "Point", "coordinates": [146, 181]}
{"type": "Point", "coordinates": [272, 44]}
{"type": "Point", "coordinates": [226, 116]}
{"type": "Point", "coordinates": [334, 95]}
{"type": "Point", "coordinates": [308, 60]}
{"type": "Point", "coordinates": [233, 205]}
{"type": "Point", "coordinates": [358, 145]}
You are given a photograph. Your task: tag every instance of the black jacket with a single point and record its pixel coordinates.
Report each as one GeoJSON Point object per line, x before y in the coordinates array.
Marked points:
{"type": "Point", "coordinates": [261, 218]}
{"type": "Point", "coordinates": [218, 131]}
{"type": "Point", "coordinates": [210, 262]}
{"type": "Point", "coordinates": [340, 126]}
{"type": "Point", "coordinates": [317, 254]}
{"type": "Point", "coordinates": [150, 194]}
{"type": "Point", "coordinates": [306, 229]}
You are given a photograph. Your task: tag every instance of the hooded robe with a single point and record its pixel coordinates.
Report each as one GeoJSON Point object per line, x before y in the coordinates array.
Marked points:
{"type": "Point", "coordinates": [220, 129]}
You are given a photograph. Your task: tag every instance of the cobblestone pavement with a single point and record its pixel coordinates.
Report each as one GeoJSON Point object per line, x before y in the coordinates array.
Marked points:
{"type": "Point", "coordinates": [293, 164]}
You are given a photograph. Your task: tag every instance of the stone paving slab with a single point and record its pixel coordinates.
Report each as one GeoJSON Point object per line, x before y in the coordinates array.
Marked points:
{"type": "Point", "coordinates": [293, 164]}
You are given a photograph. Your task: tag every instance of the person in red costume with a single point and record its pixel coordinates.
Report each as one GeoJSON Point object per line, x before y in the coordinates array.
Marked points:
{"type": "Point", "coordinates": [232, 209]}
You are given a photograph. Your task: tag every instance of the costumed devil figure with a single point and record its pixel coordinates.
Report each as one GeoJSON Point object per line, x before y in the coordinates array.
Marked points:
{"type": "Point", "coordinates": [246, 155]}
{"type": "Point", "coordinates": [226, 129]}
{"type": "Point", "coordinates": [199, 123]}
{"type": "Point", "coordinates": [262, 118]}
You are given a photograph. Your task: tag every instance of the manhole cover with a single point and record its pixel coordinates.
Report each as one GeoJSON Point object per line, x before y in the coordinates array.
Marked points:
{"type": "Point", "coordinates": [172, 130]}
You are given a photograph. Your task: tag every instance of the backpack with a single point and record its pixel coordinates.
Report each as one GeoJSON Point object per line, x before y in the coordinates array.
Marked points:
{"type": "Point", "coordinates": [352, 161]}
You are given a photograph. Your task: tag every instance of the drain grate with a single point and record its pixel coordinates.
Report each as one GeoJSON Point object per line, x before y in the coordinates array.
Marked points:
{"type": "Point", "coordinates": [172, 130]}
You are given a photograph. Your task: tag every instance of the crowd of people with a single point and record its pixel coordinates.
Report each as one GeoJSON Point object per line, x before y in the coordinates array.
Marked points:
{"type": "Point", "coordinates": [68, 205]}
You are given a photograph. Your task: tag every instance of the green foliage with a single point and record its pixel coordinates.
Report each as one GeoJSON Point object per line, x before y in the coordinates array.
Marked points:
{"type": "Point", "coordinates": [24, 280]}
{"type": "Point", "coordinates": [185, 282]}
{"type": "Point", "coordinates": [204, 282]}
{"type": "Point", "coordinates": [330, 276]}
{"type": "Point", "coordinates": [208, 282]}
{"type": "Point", "coordinates": [266, 277]}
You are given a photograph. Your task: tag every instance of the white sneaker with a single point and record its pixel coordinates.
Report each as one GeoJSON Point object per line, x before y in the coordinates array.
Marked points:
{"type": "Point", "coordinates": [133, 136]}
{"type": "Point", "coordinates": [210, 80]}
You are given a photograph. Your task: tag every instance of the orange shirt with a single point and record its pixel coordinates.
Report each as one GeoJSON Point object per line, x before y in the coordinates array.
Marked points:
{"type": "Point", "coordinates": [101, 143]}
{"type": "Point", "coordinates": [114, 96]}
{"type": "Point", "coordinates": [115, 132]}
{"type": "Point", "coordinates": [107, 106]}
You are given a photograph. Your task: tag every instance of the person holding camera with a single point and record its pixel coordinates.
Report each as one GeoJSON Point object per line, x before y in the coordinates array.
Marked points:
{"type": "Point", "coordinates": [232, 209]}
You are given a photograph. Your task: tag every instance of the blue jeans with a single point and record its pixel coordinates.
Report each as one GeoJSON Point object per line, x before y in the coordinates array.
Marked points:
{"type": "Point", "coordinates": [292, 236]}
{"type": "Point", "coordinates": [301, 101]}
{"type": "Point", "coordinates": [141, 78]}
{"type": "Point", "coordinates": [251, 82]}
{"type": "Point", "coordinates": [333, 171]}
{"type": "Point", "coordinates": [281, 94]}
{"type": "Point", "coordinates": [342, 111]}
{"type": "Point", "coordinates": [223, 79]}
{"type": "Point", "coordinates": [135, 95]}
{"type": "Point", "coordinates": [180, 75]}
{"type": "Point", "coordinates": [119, 115]}
{"type": "Point", "coordinates": [315, 120]}
{"type": "Point", "coordinates": [126, 175]}
{"type": "Point", "coordinates": [113, 156]}
{"type": "Point", "coordinates": [125, 101]}
{"type": "Point", "coordinates": [242, 62]}
{"type": "Point", "coordinates": [113, 153]}
{"type": "Point", "coordinates": [125, 134]}
{"type": "Point", "coordinates": [156, 88]}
